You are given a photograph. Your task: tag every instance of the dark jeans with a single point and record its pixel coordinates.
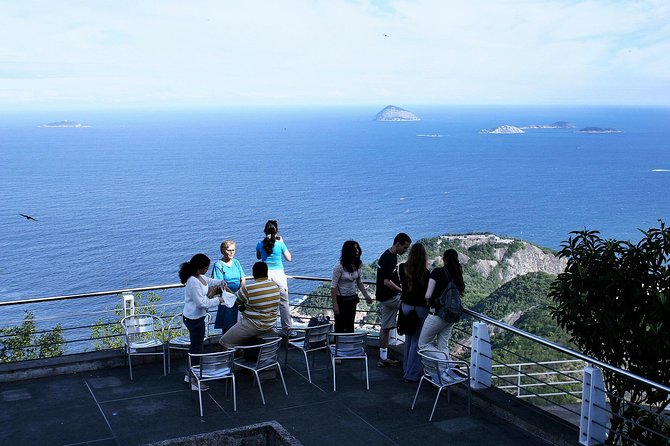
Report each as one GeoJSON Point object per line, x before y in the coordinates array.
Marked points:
{"type": "Point", "coordinates": [344, 322]}
{"type": "Point", "coordinates": [196, 332]}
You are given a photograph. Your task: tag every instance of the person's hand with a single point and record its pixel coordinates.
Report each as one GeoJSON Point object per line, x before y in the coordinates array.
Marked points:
{"type": "Point", "coordinates": [213, 291]}
{"type": "Point", "coordinates": [368, 300]}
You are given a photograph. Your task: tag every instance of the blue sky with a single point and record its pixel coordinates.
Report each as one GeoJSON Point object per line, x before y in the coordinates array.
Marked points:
{"type": "Point", "coordinates": [309, 52]}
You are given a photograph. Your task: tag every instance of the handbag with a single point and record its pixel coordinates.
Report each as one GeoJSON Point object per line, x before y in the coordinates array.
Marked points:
{"type": "Point", "coordinates": [408, 323]}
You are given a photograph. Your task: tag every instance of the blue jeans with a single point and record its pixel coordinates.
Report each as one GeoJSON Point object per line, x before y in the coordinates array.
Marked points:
{"type": "Point", "coordinates": [412, 363]}
{"type": "Point", "coordinates": [196, 333]}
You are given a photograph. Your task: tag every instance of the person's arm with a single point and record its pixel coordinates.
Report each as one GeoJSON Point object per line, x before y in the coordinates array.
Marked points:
{"type": "Point", "coordinates": [391, 285]}
{"type": "Point", "coordinates": [387, 267]}
{"type": "Point", "coordinates": [200, 299]}
{"type": "Point", "coordinates": [361, 287]}
{"type": "Point", "coordinates": [429, 295]}
{"type": "Point", "coordinates": [286, 252]}
{"type": "Point", "coordinates": [258, 254]}
{"type": "Point", "coordinates": [337, 273]}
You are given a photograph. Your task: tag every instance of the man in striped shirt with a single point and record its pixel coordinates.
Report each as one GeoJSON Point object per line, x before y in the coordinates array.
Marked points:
{"type": "Point", "coordinates": [258, 305]}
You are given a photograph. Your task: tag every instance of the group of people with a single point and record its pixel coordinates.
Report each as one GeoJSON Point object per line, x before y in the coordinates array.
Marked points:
{"type": "Point", "coordinates": [399, 287]}
{"type": "Point", "coordinates": [404, 287]}
{"type": "Point", "coordinates": [227, 288]}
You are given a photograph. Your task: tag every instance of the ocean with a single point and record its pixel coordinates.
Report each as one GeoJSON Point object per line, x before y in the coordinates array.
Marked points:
{"type": "Point", "coordinates": [124, 202]}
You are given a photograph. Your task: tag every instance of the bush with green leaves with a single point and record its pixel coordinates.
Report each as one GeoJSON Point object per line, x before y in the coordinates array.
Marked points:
{"type": "Point", "coordinates": [23, 342]}
{"type": "Point", "coordinates": [614, 300]}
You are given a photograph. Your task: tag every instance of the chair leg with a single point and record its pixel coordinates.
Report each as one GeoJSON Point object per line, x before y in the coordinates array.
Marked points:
{"type": "Point", "coordinates": [309, 375]}
{"type": "Point", "coordinates": [332, 362]}
{"type": "Point", "coordinates": [200, 397]}
{"type": "Point", "coordinates": [164, 362]}
{"type": "Point", "coordinates": [260, 387]}
{"type": "Point", "coordinates": [168, 361]}
{"type": "Point", "coordinates": [234, 396]}
{"type": "Point", "coordinates": [367, 377]}
{"type": "Point", "coordinates": [435, 403]}
{"type": "Point", "coordinates": [286, 356]}
{"type": "Point", "coordinates": [130, 366]}
{"type": "Point", "coordinates": [281, 375]}
{"type": "Point", "coordinates": [417, 392]}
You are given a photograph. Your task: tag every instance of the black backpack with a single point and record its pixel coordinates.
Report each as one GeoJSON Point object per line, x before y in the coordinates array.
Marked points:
{"type": "Point", "coordinates": [451, 308]}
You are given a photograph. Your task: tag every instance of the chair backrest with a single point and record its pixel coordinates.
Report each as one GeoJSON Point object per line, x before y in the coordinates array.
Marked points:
{"type": "Point", "coordinates": [267, 353]}
{"type": "Point", "coordinates": [317, 336]}
{"type": "Point", "coordinates": [215, 364]}
{"type": "Point", "coordinates": [142, 327]}
{"type": "Point", "coordinates": [348, 344]}
{"type": "Point", "coordinates": [435, 364]}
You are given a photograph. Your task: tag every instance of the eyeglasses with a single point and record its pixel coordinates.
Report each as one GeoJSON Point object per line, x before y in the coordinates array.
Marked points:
{"type": "Point", "coordinates": [230, 250]}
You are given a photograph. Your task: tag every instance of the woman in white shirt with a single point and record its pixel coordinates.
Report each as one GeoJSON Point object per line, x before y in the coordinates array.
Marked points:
{"type": "Point", "coordinates": [199, 295]}
{"type": "Point", "coordinates": [347, 277]}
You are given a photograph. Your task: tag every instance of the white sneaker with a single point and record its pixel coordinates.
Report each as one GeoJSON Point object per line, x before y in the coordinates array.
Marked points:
{"type": "Point", "coordinates": [187, 378]}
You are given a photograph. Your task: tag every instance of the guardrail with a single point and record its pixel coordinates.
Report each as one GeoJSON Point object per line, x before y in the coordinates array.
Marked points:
{"type": "Point", "coordinates": [555, 385]}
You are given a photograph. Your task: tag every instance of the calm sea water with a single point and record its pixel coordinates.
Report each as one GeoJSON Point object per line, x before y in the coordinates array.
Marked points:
{"type": "Point", "coordinates": [123, 203]}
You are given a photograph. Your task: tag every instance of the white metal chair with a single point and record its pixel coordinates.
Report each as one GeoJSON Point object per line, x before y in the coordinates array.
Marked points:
{"type": "Point", "coordinates": [268, 353]}
{"type": "Point", "coordinates": [346, 346]}
{"type": "Point", "coordinates": [442, 373]}
{"type": "Point", "coordinates": [213, 366]}
{"type": "Point", "coordinates": [314, 339]}
{"type": "Point", "coordinates": [178, 337]}
{"type": "Point", "coordinates": [144, 335]}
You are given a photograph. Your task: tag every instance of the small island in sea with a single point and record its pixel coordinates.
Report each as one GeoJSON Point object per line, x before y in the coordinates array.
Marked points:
{"type": "Point", "coordinates": [598, 130]}
{"type": "Point", "coordinates": [393, 113]}
{"type": "Point", "coordinates": [502, 130]}
{"type": "Point", "coordinates": [65, 124]}
{"type": "Point", "coordinates": [555, 125]}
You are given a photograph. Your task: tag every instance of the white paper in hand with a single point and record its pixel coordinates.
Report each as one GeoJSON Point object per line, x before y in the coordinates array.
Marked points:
{"type": "Point", "coordinates": [229, 299]}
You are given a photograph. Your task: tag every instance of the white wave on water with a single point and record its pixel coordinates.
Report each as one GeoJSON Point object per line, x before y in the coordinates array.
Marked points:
{"type": "Point", "coordinates": [429, 135]}
{"type": "Point", "coordinates": [660, 170]}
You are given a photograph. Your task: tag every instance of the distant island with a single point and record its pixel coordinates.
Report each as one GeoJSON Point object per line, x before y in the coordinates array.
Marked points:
{"type": "Point", "coordinates": [598, 130]}
{"type": "Point", "coordinates": [555, 125]}
{"type": "Point", "coordinates": [502, 130]}
{"type": "Point", "coordinates": [393, 113]}
{"type": "Point", "coordinates": [65, 124]}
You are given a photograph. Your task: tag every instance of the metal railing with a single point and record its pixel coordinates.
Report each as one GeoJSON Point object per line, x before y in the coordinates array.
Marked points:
{"type": "Point", "coordinates": [552, 384]}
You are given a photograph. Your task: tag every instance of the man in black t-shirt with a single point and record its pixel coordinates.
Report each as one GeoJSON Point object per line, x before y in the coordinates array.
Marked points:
{"type": "Point", "coordinates": [388, 294]}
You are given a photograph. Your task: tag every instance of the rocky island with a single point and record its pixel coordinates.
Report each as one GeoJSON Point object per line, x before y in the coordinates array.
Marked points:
{"type": "Point", "coordinates": [598, 130]}
{"type": "Point", "coordinates": [502, 130]}
{"type": "Point", "coordinates": [555, 125]}
{"type": "Point", "coordinates": [65, 124]}
{"type": "Point", "coordinates": [393, 113]}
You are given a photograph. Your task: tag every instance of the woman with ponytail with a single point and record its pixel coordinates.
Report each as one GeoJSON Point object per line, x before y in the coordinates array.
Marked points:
{"type": "Point", "coordinates": [200, 294]}
{"type": "Point", "coordinates": [436, 331]}
{"type": "Point", "coordinates": [272, 250]}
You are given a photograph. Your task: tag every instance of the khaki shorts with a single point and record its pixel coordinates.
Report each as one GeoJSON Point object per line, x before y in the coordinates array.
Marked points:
{"type": "Point", "coordinates": [389, 312]}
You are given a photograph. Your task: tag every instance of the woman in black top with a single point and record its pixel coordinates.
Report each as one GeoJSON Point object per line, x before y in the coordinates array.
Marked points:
{"type": "Point", "coordinates": [436, 331]}
{"type": "Point", "coordinates": [414, 281]}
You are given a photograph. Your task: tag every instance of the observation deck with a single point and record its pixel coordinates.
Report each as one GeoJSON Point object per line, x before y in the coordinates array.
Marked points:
{"type": "Point", "coordinates": [86, 397]}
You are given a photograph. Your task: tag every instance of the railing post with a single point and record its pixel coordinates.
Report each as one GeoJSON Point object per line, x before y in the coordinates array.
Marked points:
{"type": "Point", "coordinates": [128, 304]}
{"type": "Point", "coordinates": [518, 381]}
{"type": "Point", "coordinates": [480, 357]}
{"type": "Point", "coordinates": [593, 418]}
